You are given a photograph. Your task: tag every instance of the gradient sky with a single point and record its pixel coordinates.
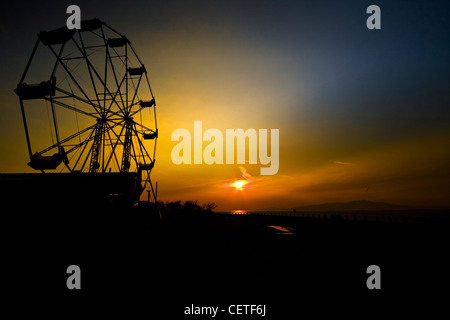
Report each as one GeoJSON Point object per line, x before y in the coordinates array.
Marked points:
{"type": "Point", "coordinates": [362, 114]}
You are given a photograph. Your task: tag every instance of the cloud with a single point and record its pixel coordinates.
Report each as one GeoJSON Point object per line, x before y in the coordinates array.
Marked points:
{"type": "Point", "coordinates": [344, 163]}
{"type": "Point", "coordinates": [244, 173]}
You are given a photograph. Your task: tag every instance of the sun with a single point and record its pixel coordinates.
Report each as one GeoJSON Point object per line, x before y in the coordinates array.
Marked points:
{"type": "Point", "coordinates": [239, 184]}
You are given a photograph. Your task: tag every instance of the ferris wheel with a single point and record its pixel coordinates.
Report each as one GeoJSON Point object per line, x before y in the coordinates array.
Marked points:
{"type": "Point", "coordinates": [87, 105]}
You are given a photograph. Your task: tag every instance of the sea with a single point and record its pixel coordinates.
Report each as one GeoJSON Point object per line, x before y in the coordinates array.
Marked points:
{"type": "Point", "coordinates": [426, 216]}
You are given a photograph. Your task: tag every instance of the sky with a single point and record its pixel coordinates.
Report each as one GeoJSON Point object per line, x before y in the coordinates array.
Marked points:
{"type": "Point", "coordinates": [361, 114]}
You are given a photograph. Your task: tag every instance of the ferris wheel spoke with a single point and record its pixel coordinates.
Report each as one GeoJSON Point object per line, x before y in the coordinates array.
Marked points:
{"type": "Point", "coordinates": [117, 84]}
{"type": "Point", "coordinates": [69, 94]}
{"type": "Point", "coordinates": [74, 80]}
{"type": "Point", "coordinates": [55, 67]}
{"type": "Point", "coordinates": [136, 111]}
{"type": "Point", "coordinates": [96, 73]}
{"type": "Point", "coordinates": [106, 68]}
{"type": "Point", "coordinates": [126, 76]}
{"type": "Point", "coordinates": [120, 94]}
{"type": "Point", "coordinates": [66, 140]}
{"type": "Point", "coordinates": [93, 127]}
{"type": "Point", "coordinates": [115, 123]}
{"type": "Point", "coordinates": [88, 64]}
{"type": "Point", "coordinates": [84, 143]}
{"type": "Point", "coordinates": [72, 95]}
{"type": "Point", "coordinates": [108, 58]}
{"type": "Point", "coordinates": [65, 105]}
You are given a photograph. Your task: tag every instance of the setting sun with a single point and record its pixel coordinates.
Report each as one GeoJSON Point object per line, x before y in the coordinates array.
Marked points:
{"type": "Point", "coordinates": [239, 184]}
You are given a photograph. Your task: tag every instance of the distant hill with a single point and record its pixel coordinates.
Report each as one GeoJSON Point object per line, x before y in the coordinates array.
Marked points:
{"type": "Point", "coordinates": [353, 206]}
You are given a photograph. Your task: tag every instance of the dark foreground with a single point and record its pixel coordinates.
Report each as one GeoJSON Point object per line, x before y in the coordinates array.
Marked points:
{"type": "Point", "coordinates": [131, 262]}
